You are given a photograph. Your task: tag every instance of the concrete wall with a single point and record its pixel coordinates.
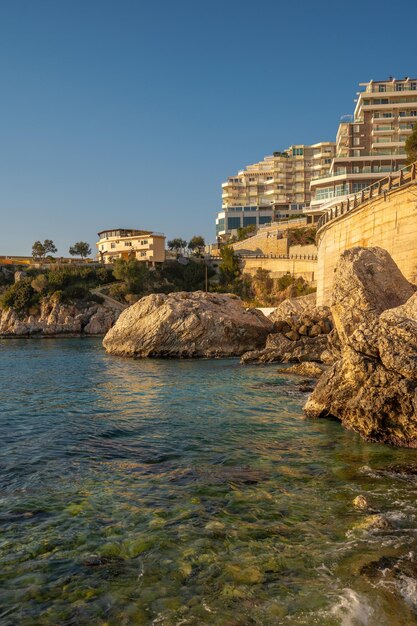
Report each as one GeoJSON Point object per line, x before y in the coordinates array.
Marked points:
{"type": "Point", "coordinates": [310, 250]}
{"type": "Point", "coordinates": [264, 243]}
{"type": "Point", "coordinates": [390, 223]}
{"type": "Point", "coordinates": [303, 268]}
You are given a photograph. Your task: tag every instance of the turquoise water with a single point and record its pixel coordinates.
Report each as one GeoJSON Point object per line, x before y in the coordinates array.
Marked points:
{"type": "Point", "coordinates": [191, 492]}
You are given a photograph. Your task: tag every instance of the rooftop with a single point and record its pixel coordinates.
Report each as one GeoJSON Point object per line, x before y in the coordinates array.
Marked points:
{"type": "Point", "coordinates": [128, 232]}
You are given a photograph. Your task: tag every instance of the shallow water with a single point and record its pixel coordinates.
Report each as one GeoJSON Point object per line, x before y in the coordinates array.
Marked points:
{"type": "Point", "coordinates": [191, 492]}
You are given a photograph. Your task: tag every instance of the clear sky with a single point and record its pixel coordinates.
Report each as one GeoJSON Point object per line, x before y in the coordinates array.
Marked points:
{"type": "Point", "coordinates": [123, 113]}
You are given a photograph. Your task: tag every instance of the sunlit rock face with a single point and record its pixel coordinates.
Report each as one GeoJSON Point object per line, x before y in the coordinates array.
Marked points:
{"type": "Point", "coordinates": [188, 325]}
{"type": "Point", "coordinates": [302, 332]}
{"type": "Point", "coordinates": [372, 387]}
{"type": "Point", "coordinates": [52, 318]}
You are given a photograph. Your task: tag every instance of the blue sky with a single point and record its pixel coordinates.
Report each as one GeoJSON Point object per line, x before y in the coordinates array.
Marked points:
{"type": "Point", "coordinates": [131, 114]}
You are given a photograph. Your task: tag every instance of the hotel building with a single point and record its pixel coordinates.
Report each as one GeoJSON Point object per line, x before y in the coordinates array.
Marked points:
{"type": "Point", "coordinates": [121, 243]}
{"type": "Point", "coordinates": [370, 145]}
{"type": "Point", "coordinates": [276, 188]}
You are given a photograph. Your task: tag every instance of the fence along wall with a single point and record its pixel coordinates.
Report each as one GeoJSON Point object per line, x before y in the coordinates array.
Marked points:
{"type": "Point", "coordinates": [386, 217]}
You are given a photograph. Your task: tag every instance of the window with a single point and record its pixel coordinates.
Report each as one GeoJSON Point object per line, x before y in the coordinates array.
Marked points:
{"type": "Point", "coordinates": [356, 141]}
{"type": "Point", "coordinates": [297, 151]}
{"type": "Point", "coordinates": [413, 86]}
{"type": "Point", "coordinates": [356, 128]}
{"type": "Point", "coordinates": [233, 222]}
{"type": "Point", "coordinates": [112, 245]}
{"type": "Point", "coordinates": [144, 242]}
{"type": "Point", "coordinates": [264, 219]}
{"type": "Point", "coordinates": [341, 190]}
{"type": "Point", "coordinates": [248, 221]}
{"type": "Point", "coordinates": [356, 187]}
{"type": "Point", "coordinates": [220, 226]}
{"type": "Point", "coordinates": [408, 113]}
{"type": "Point", "coordinates": [128, 243]}
{"type": "Point", "coordinates": [399, 87]}
{"type": "Point", "coordinates": [143, 253]}
{"type": "Point", "coordinates": [382, 88]}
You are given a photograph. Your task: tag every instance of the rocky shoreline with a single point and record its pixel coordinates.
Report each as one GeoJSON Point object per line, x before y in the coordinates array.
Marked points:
{"type": "Point", "coordinates": [54, 319]}
{"type": "Point", "coordinates": [362, 349]}
{"type": "Point", "coordinates": [372, 387]}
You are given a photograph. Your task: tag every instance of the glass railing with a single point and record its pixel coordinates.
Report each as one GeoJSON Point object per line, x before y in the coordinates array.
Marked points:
{"type": "Point", "coordinates": [395, 180]}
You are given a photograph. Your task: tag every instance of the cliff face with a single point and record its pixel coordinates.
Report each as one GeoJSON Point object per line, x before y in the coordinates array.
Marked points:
{"type": "Point", "coordinates": [372, 387]}
{"type": "Point", "coordinates": [184, 324]}
{"type": "Point", "coordinates": [54, 318]}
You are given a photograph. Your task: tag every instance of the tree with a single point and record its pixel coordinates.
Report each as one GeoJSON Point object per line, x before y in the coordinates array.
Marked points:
{"type": "Point", "coordinates": [229, 269]}
{"type": "Point", "coordinates": [177, 244]}
{"type": "Point", "coordinates": [81, 248]}
{"type": "Point", "coordinates": [196, 244]}
{"type": "Point", "coordinates": [49, 247]}
{"type": "Point", "coordinates": [40, 250]}
{"type": "Point", "coordinates": [135, 274]}
{"type": "Point", "coordinates": [245, 231]}
{"type": "Point", "coordinates": [411, 146]}
{"type": "Point", "coordinates": [263, 286]}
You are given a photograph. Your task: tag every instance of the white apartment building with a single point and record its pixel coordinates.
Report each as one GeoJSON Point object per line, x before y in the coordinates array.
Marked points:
{"type": "Point", "coordinates": [370, 146]}
{"type": "Point", "coordinates": [276, 188]}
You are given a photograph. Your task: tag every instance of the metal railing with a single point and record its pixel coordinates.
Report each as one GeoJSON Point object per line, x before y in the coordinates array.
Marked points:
{"type": "Point", "coordinates": [299, 257]}
{"type": "Point", "coordinates": [403, 177]}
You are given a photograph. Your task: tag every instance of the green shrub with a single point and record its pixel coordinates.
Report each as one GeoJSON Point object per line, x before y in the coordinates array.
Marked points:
{"type": "Point", "coordinates": [301, 236]}
{"type": "Point", "coordinates": [20, 296]}
{"type": "Point", "coordinates": [6, 278]}
{"type": "Point", "coordinates": [75, 292]}
{"type": "Point", "coordinates": [94, 297]}
{"type": "Point", "coordinates": [117, 291]}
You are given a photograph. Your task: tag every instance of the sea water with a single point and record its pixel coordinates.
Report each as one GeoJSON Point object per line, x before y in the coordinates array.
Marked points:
{"type": "Point", "coordinates": [191, 492]}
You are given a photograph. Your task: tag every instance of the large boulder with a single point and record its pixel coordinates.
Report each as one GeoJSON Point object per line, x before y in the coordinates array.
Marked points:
{"type": "Point", "coordinates": [366, 282]}
{"type": "Point", "coordinates": [187, 325]}
{"type": "Point", "coordinates": [294, 306]}
{"type": "Point", "coordinates": [372, 387]}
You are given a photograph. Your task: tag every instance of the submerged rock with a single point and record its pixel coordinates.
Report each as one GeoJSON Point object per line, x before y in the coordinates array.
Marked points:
{"type": "Point", "coordinates": [308, 368]}
{"type": "Point", "coordinates": [360, 502]}
{"type": "Point", "coordinates": [187, 325]}
{"type": "Point", "coordinates": [372, 387]}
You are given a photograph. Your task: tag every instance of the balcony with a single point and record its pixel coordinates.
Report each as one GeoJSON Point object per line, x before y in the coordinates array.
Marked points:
{"type": "Point", "coordinates": [407, 118]}
{"type": "Point", "coordinates": [382, 129]}
{"type": "Point", "coordinates": [389, 143]}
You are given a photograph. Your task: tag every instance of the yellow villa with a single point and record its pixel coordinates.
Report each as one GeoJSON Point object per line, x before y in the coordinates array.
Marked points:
{"type": "Point", "coordinates": [121, 243]}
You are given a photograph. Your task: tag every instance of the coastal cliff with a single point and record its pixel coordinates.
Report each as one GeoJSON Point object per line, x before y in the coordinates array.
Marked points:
{"type": "Point", "coordinates": [52, 317]}
{"type": "Point", "coordinates": [372, 386]}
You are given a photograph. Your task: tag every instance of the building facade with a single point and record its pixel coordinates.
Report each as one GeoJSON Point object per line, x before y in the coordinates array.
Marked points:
{"type": "Point", "coordinates": [276, 188]}
{"type": "Point", "coordinates": [120, 243]}
{"type": "Point", "coordinates": [370, 146]}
